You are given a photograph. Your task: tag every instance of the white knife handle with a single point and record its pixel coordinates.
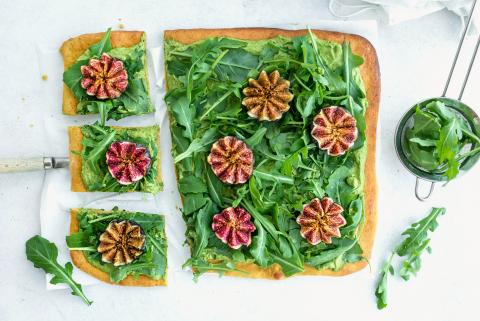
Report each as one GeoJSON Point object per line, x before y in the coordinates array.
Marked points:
{"type": "Point", "coordinates": [11, 165]}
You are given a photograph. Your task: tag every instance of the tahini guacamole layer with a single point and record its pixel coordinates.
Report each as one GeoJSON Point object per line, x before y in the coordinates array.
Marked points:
{"type": "Point", "coordinates": [205, 80]}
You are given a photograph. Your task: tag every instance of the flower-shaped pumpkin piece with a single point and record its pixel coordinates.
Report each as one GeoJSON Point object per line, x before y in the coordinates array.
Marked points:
{"type": "Point", "coordinates": [231, 160]}
{"type": "Point", "coordinates": [127, 162]}
{"type": "Point", "coordinates": [321, 220]}
{"type": "Point", "coordinates": [104, 78]}
{"type": "Point", "coordinates": [267, 97]}
{"type": "Point", "coordinates": [234, 227]}
{"type": "Point", "coordinates": [122, 242]}
{"type": "Point", "coordinates": [335, 130]}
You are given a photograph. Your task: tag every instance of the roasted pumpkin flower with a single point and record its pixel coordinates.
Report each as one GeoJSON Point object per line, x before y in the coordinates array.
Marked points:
{"type": "Point", "coordinates": [231, 160]}
{"type": "Point", "coordinates": [233, 227]}
{"type": "Point", "coordinates": [335, 130]}
{"type": "Point", "coordinates": [127, 162]}
{"type": "Point", "coordinates": [267, 97]}
{"type": "Point", "coordinates": [122, 242]}
{"type": "Point", "coordinates": [104, 78]}
{"type": "Point", "coordinates": [320, 220]}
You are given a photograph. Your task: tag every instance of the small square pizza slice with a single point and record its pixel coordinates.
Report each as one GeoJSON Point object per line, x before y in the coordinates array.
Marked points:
{"type": "Point", "coordinates": [119, 247]}
{"type": "Point", "coordinates": [115, 159]}
{"type": "Point", "coordinates": [106, 73]}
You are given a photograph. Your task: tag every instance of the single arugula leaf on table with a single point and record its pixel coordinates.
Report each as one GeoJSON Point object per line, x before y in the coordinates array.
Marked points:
{"type": "Point", "coordinates": [412, 247]}
{"type": "Point", "coordinates": [43, 254]}
{"type": "Point", "coordinates": [381, 290]}
{"type": "Point", "coordinates": [417, 242]}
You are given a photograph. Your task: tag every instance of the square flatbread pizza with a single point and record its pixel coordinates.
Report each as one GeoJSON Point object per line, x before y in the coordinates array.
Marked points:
{"type": "Point", "coordinates": [273, 136]}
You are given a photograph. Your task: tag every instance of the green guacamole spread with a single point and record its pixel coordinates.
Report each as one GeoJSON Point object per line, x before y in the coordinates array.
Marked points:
{"type": "Point", "coordinates": [205, 82]}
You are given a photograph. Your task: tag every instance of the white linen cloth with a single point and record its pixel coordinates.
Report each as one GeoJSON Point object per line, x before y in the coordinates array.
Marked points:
{"type": "Point", "coordinates": [396, 11]}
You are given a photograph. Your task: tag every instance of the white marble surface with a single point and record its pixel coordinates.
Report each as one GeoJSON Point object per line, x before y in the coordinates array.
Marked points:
{"type": "Point", "coordinates": [414, 57]}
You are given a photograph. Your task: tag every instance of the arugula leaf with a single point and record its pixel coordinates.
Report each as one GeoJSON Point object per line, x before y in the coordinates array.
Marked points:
{"type": "Point", "coordinates": [183, 112]}
{"type": "Point", "coordinates": [425, 124]}
{"type": "Point", "coordinates": [215, 187]}
{"type": "Point", "coordinates": [381, 290]}
{"type": "Point", "coordinates": [447, 147]}
{"type": "Point", "coordinates": [43, 254]}
{"type": "Point", "coordinates": [328, 255]}
{"type": "Point", "coordinates": [412, 247]}
{"type": "Point", "coordinates": [256, 138]}
{"type": "Point", "coordinates": [191, 184]}
{"type": "Point", "coordinates": [338, 188]}
{"type": "Point", "coordinates": [193, 203]}
{"type": "Point", "coordinates": [121, 272]}
{"type": "Point", "coordinates": [198, 144]}
{"type": "Point", "coordinates": [103, 46]}
{"type": "Point", "coordinates": [258, 249]}
{"type": "Point", "coordinates": [275, 177]}
{"type": "Point", "coordinates": [236, 65]}
{"type": "Point", "coordinates": [416, 242]}
{"type": "Point", "coordinates": [351, 61]}
{"type": "Point", "coordinates": [334, 79]}
{"type": "Point", "coordinates": [423, 142]}
{"type": "Point", "coordinates": [79, 242]}
{"type": "Point", "coordinates": [290, 266]}
{"type": "Point", "coordinates": [203, 228]}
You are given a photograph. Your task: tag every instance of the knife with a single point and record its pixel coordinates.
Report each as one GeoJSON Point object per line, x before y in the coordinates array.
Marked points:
{"type": "Point", "coordinates": [12, 165]}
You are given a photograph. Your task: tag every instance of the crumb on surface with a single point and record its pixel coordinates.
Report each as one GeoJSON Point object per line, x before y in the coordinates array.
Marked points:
{"type": "Point", "coordinates": [44, 77]}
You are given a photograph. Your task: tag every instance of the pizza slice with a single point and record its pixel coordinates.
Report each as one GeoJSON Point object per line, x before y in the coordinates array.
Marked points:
{"type": "Point", "coordinates": [273, 137]}
{"type": "Point", "coordinates": [115, 159]}
{"type": "Point", "coordinates": [106, 73]}
{"type": "Point", "coordinates": [119, 247]}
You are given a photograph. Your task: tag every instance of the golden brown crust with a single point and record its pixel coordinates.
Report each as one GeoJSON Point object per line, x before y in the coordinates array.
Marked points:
{"type": "Point", "coordinates": [75, 137]}
{"type": "Point", "coordinates": [75, 47]}
{"type": "Point", "coordinates": [370, 73]}
{"type": "Point", "coordinates": [78, 258]}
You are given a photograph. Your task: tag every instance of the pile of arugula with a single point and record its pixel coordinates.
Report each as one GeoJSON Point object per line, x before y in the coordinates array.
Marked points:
{"type": "Point", "coordinates": [95, 142]}
{"type": "Point", "coordinates": [438, 138]}
{"type": "Point", "coordinates": [205, 81]}
{"type": "Point", "coordinates": [153, 261]}
{"type": "Point", "coordinates": [412, 247]}
{"type": "Point", "coordinates": [134, 101]}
